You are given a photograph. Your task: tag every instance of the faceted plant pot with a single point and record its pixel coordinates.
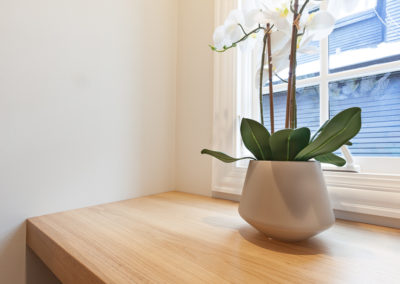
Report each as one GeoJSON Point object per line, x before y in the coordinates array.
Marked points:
{"type": "Point", "coordinates": [287, 201]}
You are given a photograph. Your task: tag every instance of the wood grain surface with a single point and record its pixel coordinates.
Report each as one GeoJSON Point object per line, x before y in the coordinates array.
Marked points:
{"type": "Point", "coordinates": [182, 238]}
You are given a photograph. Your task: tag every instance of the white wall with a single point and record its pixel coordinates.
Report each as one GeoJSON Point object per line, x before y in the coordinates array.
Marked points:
{"type": "Point", "coordinates": [195, 96]}
{"type": "Point", "coordinates": [87, 101]}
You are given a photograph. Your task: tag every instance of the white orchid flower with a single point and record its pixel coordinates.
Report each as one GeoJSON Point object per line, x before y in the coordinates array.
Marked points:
{"type": "Point", "coordinates": [219, 38]}
{"type": "Point", "coordinates": [280, 58]}
{"type": "Point", "coordinates": [248, 5]}
{"type": "Point", "coordinates": [274, 4]}
{"type": "Point", "coordinates": [338, 8]}
{"type": "Point", "coordinates": [278, 13]}
{"type": "Point", "coordinates": [254, 18]}
{"type": "Point", "coordinates": [317, 26]}
{"type": "Point", "coordinates": [254, 42]}
{"type": "Point", "coordinates": [278, 64]}
{"type": "Point", "coordinates": [280, 45]}
{"type": "Point", "coordinates": [279, 39]}
{"type": "Point", "coordinates": [304, 47]}
{"type": "Point", "coordinates": [320, 25]}
{"type": "Point", "coordinates": [258, 13]}
{"type": "Point", "coordinates": [230, 32]}
{"type": "Point", "coordinates": [232, 26]}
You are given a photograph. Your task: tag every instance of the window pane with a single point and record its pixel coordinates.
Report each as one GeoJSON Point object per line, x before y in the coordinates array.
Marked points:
{"type": "Point", "coordinates": [308, 64]}
{"type": "Point", "coordinates": [307, 105]}
{"type": "Point", "coordinates": [379, 98]}
{"type": "Point", "coordinates": [371, 36]}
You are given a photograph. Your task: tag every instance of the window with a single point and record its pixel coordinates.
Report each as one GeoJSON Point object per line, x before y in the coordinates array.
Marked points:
{"type": "Point", "coordinates": [358, 65]}
{"type": "Point", "coordinates": [307, 101]}
{"type": "Point", "coordinates": [379, 97]}
{"type": "Point", "coordinates": [324, 85]}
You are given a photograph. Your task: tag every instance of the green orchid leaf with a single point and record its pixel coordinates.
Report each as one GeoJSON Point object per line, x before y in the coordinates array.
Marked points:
{"type": "Point", "coordinates": [331, 158]}
{"type": "Point", "coordinates": [223, 157]}
{"type": "Point", "coordinates": [287, 143]}
{"type": "Point", "coordinates": [298, 140]}
{"type": "Point", "coordinates": [256, 138]}
{"type": "Point", "coordinates": [339, 130]}
{"type": "Point", "coordinates": [319, 130]}
{"type": "Point", "coordinates": [279, 144]}
{"type": "Point", "coordinates": [348, 143]}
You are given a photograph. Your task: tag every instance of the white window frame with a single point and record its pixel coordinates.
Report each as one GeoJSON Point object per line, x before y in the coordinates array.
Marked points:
{"type": "Point", "coordinates": [369, 196]}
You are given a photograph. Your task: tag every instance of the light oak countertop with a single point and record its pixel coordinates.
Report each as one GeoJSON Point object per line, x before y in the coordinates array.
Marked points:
{"type": "Point", "coordinates": [182, 238]}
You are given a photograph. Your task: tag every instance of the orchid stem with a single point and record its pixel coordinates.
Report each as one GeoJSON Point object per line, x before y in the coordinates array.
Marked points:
{"type": "Point", "coordinates": [261, 78]}
{"type": "Point", "coordinates": [266, 35]}
{"type": "Point", "coordinates": [303, 7]}
{"type": "Point", "coordinates": [241, 27]}
{"type": "Point", "coordinates": [280, 78]}
{"type": "Point", "coordinates": [291, 100]}
{"type": "Point", "coordinates": [271, 87]}
{"type": "Point", "coordinates": [246, 35]}
{"type": "Point", "coordinates": [291, 105]}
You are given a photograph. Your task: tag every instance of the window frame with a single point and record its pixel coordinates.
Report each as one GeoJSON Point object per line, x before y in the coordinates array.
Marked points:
{"type": "Point", "coordinates": [352, 194]}
{"type": "Point", "coordinates": [322, 81]}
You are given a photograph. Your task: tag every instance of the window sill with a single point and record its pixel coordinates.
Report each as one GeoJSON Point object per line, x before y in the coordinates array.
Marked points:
{"type": "Point", "coordinates": [368, 194]}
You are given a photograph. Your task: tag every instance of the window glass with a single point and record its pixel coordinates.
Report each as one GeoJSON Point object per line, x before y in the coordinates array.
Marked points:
{"type": "Point", "coordinates": [368, 36]}
{"type": "Point", "coordinates": [379, 98]}
{"type": "Point", "coordinates": [308, 60]}
{"type": "Point", "coordinates": [307, 105]}
{"type": "Point", "coordinates": [308, 64]}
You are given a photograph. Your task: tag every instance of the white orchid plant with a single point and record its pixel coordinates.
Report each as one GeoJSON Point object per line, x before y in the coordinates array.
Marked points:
{"type": "Point", "coordinates": [278, 30]}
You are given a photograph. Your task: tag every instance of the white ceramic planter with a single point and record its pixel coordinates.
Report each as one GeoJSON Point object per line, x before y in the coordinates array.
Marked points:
{"type": "Point", "coordinates": [287, 201]}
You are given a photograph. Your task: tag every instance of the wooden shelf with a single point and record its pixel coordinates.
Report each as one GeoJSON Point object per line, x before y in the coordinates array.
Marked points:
{"type": "Point", "coordinates": [181, 238]}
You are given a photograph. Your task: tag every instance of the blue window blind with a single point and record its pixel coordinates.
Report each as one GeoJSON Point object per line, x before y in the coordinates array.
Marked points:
{"type": "Point", "coordinates": [379, 98]}
{"type": "Point", "coordinates": [354, 32]}
{"type": "Point", "coordinates": [307, 104]}
{"type": "Point", "coordinates": [305, 57]}
{"type": "Point", "coordinates": [392, 16]}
